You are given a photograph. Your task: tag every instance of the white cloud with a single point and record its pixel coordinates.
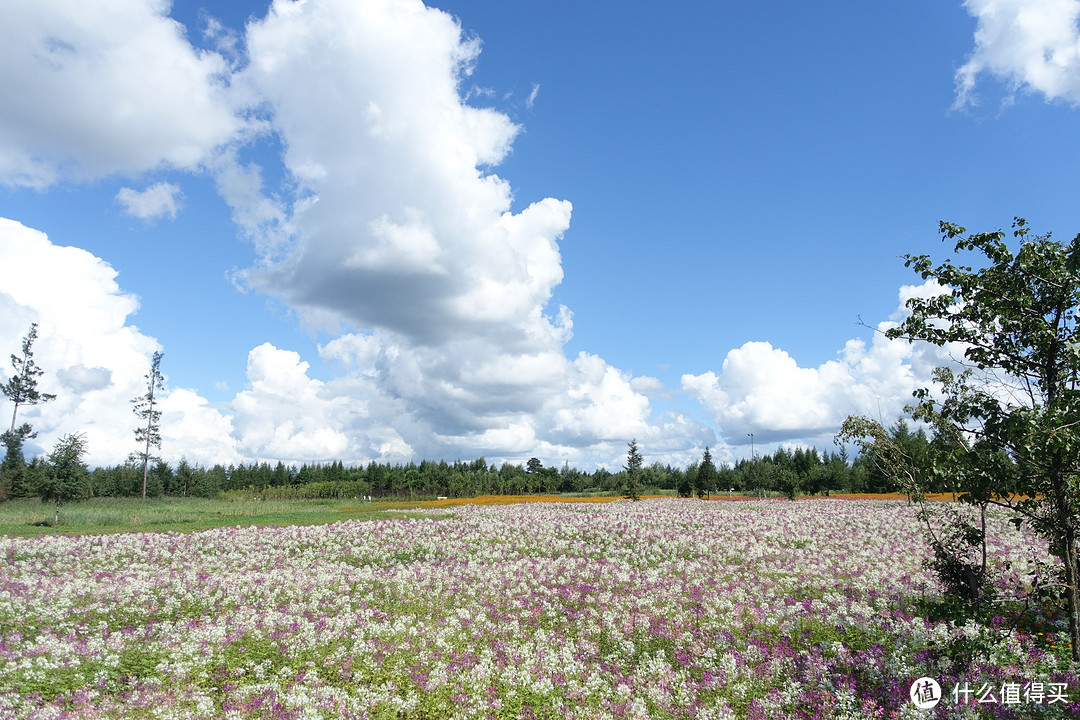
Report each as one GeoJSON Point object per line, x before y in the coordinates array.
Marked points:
{"type": "Point", "coordinates": [395, 400]}
{"type": "Point", "coordinates": [398, 229]}
{"type": "Point", "coordinates": [389, 222]}
{"type": "Point", "coordinates": [93, 360]}
{"type": "Point", "coordinates": [286, 415]}
{"type": "Point", "coordinates": [1025, 43]}
{"type": "Point", "coordinates": [92, 89]}
{"type": "Point", "coordinates": [192, 428]}
{"type": "Point", "coordinates": [390, 228]}
{"type": "Point", "coordinates": [763, 390]}
{"type": "Point", "coordinates": [159, 200]}
{"type": "Point", "coordinates": [599, 404]}
{"type": "Point", "coordinates": [95, 363]}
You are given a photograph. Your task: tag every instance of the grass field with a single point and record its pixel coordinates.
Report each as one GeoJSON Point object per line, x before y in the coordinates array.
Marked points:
{"type": "Point", "coordinates": [663, 609]}
{"type": "Point", "coordinates": [31, 518]}
{"type": "Point", "coordinates": [24, 518]}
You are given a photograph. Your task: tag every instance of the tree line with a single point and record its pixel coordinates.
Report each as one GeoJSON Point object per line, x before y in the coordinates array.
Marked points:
{"type": "Point", "coordinates": [788, 472]}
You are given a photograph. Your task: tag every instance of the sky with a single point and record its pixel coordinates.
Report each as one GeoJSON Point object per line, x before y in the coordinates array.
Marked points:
{"type": "Point", "coordinates": [379, 230]}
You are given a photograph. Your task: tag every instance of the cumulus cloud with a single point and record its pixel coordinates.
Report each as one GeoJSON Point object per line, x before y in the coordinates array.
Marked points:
{"type": "Point", "coordinates": [385, 224]}
{"type": "Point", "coordinates": [1031, 44]}
{"type": "Point", "coordinates": [389, 224]}
{"type": "Point", "coordinates": [763, 390]}
{"type": "Point", "coordinates": [398, 229]}
{"type": "Point", "coordinates": [193, 429]}
{"type": "Point", "coordinates": [92, 89]}
{"type": "Point", "coordinates": [286, 414]}
{"type": "Point", "coordinates": [94, 361]}
{"type": "Point", "coordinates": [394, 401]}
{"type": "Point", "coordinates": [159, 200]}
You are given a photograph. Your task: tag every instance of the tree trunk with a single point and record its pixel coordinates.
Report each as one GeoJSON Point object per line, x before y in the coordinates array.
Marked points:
{"type": "Point", "coordinates": [982, 568]}
{"type": "Point", "coordinates": [1073, 594]}
{"type": "Point", "coordinates": [1067, 533]}
{"type": "Point", "coordinates": [56, 514]}
{"type": "Point", "coordinates": [145, 468]}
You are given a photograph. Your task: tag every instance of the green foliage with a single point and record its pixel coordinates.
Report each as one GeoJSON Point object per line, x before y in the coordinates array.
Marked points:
{"type": "Point", "coordinates": [685, 487]}
{"type": "Point", "coordinates": [21, 389]}
{"type": "Point", "coordinates": [890, 453]}
{"type": "Point", "coordinates": [148, 433]}
{"type": "Point", "coordinates": [706, 474]}
{"type": "Point", "coordinates": [1009, 424]}
{"type": "Point", "coordinates": [13, 478]}
{"type": "Point", "coordinates": [428, 480]}
{"type": "Point", "coordinates": [957, 548]}
{"type": "Point", "coordinates": [64, 478]}
{"type": "Point", "coordinates": [633, 471]}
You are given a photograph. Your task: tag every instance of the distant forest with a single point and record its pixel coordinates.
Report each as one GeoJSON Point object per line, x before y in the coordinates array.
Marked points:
{"type": "Point", "coordinates": [802, 471]}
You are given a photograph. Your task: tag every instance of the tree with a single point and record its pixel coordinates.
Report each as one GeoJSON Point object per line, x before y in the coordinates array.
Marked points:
{"type": "Point", "coordinates": [13, 468]}
{"type": "Point", "coordinates": [65, 477]}
{"type": "Point", "coordinates": [959, 548]}
{"type": "Point", "coordinates": [1011, 419]}
{"type": "Point", "coordinates": [633, 470]}
{"type": "Point", "coordinates": [21, 389]}
{"type": "Point", "coordinates": [185, 477]}
{"type": "Point", "coordinates": [149, 433]}
{"type": "Point", "coordinates": [706, 474]}
{"type": "Point", "coordinates": [685, 485]}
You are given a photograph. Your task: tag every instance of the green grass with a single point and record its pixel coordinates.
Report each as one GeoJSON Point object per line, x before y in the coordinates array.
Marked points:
{"type": "Point", "coordinates": [31, 518]}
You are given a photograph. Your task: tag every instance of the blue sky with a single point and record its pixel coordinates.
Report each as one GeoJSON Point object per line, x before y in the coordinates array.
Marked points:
{"type": "Point", "coordinates": [379, 230]}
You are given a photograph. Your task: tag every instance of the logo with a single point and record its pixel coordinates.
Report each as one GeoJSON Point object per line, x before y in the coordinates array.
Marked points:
{"type": "Point", "coordinates": [925, 693]}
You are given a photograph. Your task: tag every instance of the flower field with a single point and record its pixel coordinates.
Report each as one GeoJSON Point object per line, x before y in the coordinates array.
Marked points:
{"type": "Point", "coordinates": [663, 608]}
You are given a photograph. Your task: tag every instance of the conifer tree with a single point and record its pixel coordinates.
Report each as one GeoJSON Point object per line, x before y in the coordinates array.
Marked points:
{"type": "Point", "coordinates": [633, 470]}
{"type": "Point", "coordinates": [149, 431]}
{"type": "Point", "coordinates": [706, 474]}
{"type": "Point", "coordinates": [21, 389]}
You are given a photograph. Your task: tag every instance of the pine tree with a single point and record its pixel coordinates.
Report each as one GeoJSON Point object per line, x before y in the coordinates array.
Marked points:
{"type": "Point", "coordinates": [633, 470]}
{"type": "Point", "coordinates": [145, 409]}
{"type": "Point", "coordinates": [706, 475]}
{"type": "Point", "coordinates": [13, 468]}
{"type": "Point", "coordinates": [21, 389]}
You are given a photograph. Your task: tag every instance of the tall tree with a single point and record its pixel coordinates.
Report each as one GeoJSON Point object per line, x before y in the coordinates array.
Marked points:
{"type": "Point", "coordinates": [21, 389]}
{"type": "Point", "coordinates": [1012, 418]}
{"type": "Point", "coordinates": [149, 431]}
{"type": "Point", "coordinates": [13, 468]}
{"type": "Point", "coordinates": [633, 470]}
{"type": "Point", "coordinates": [64, 478]}
{"type": "Point", "coordinates": [706, 474]}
